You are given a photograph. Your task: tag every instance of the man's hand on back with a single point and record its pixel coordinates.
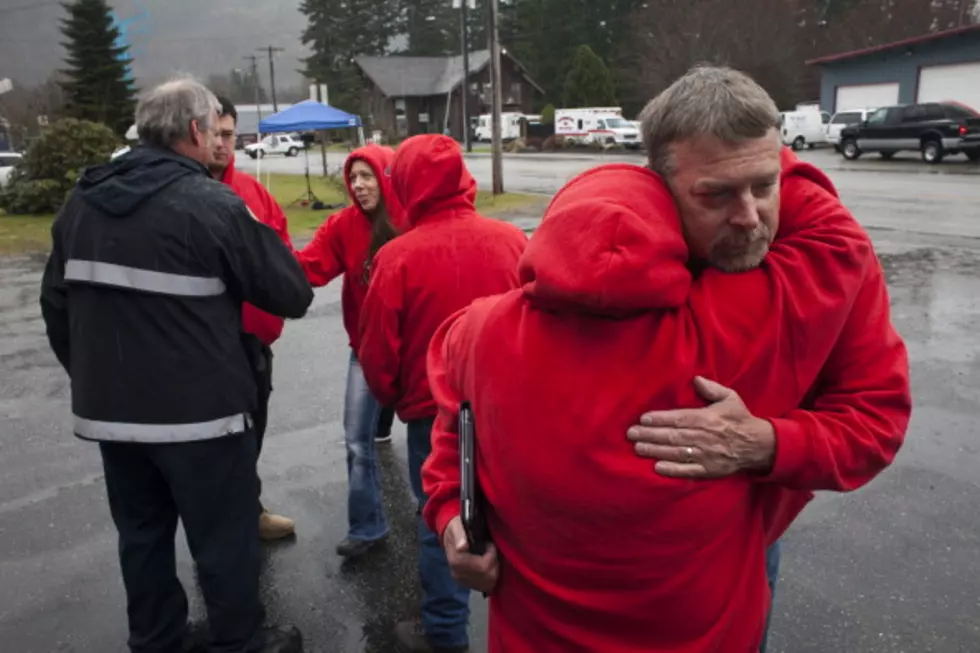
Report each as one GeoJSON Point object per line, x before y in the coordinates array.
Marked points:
{"type": "Point", "coordinates": [475, 572]}
{"type": "Point", "coordinates": [711, 442]}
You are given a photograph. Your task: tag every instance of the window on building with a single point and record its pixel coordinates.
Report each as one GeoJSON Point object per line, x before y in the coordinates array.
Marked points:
{"type": "Point", "coordinates": [515, 92]}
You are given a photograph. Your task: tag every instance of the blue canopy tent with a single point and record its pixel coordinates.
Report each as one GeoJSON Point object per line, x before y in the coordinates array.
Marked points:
{"type": "Point", "coordinates": [310, 116]}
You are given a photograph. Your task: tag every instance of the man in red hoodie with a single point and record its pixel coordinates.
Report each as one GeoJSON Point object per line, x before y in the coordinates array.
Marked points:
{"type": "Point", "coordinates": [607, 298]}
{"type": "Point", "coordinates": [261, 329]}
{"type": "Point", "coordinates": [450, 256]}
{"type": "Point", "coordinates": [844, 433]}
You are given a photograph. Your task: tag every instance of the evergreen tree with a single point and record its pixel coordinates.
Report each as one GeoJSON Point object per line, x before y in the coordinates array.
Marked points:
{"type": "Point", "coordinates": [545, 34]}
{"type": "Point", "coordinates": [478, 29]}
{"type": "Point", "coordinates": [432, 27]}
{"type": "Point", "coordinates": [589, 83]}
{"type": "Point", "coordinates": [337, 32]}
{"type": "Point", "coordinates": [98, 85]}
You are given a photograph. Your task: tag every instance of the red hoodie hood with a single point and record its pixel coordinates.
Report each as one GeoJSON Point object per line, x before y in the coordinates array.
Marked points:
{"type": "Point", "coordinates": [380, 159]}
{"type": "Point", "coordinates": [610, 244]}
{"type": "Point", "coordinates": [430, 177]}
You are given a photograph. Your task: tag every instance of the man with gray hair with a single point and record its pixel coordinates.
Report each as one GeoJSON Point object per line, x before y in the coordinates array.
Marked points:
{"type": "Point", "coordinates": [151, 262]}
{"type": "Point", "coordinates": [714, 137]}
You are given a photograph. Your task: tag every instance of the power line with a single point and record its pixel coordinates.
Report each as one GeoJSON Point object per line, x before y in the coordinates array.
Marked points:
{"type": "Point", "coordinates": [272, 51]}
{"type": "Point", "coordinates": [255, 82]}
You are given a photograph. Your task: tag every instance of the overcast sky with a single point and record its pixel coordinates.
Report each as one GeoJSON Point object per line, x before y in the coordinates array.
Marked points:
{"type": "Point", "coordinates": [192, 36]}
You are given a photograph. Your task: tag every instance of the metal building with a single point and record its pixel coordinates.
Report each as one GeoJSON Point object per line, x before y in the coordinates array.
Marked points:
{"type": "Point", "coordinates": [938, 67]}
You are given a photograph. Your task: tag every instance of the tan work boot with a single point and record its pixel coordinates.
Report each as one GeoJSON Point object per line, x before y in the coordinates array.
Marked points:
{"type": "Point", "coordinates": [275, 527]}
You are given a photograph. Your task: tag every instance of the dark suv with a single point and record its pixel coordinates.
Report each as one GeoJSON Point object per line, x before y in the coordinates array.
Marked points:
{"type": "Point", "coordinates": [934, 129]}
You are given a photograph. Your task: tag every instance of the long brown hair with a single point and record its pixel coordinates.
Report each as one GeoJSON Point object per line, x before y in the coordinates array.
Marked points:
{"type": "Point", "coordinates": [382, 232]}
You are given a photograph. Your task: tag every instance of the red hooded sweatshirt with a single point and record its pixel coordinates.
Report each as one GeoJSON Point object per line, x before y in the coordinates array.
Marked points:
{"type": "Point", "coordinates": [451, 256]}
{"type": "Point", "coordinates": [598, 552]}
{"type": "Point", "coordinates": [341, 244]}
{"type": "Point", "coordinates": [262, 325]}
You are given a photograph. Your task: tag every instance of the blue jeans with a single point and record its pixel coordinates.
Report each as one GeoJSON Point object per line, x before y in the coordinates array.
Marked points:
{"type": "Point", "coordinates": [445, 605]}
{"type": "Point", "coordinates": [362, 414]}
{"type": "Point", "coordinates": [772, 575]}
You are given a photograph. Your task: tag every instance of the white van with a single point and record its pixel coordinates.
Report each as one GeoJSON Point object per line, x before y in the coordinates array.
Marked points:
{"type": "Point", "coordinates": [805, 128]}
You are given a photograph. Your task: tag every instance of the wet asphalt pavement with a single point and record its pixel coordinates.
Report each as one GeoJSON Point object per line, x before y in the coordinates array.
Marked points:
{"type": "Point", "coordinates": [892, 568]}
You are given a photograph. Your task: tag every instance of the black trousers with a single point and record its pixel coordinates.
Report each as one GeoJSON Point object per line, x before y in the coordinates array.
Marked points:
{"type": "Point", "coordinates": [260, 418]}
{"type": "Point", "coordinates": [212, 487]}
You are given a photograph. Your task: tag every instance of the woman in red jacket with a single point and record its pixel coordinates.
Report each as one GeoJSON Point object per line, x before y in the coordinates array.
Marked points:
{"type": "Point", "coordinates": [597, 552]}
{"type": "Point", "coordinates": [346, 244]}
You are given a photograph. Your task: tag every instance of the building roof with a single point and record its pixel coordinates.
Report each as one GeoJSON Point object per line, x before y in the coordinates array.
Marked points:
{"type": "Point", "coordinates": [402, 76]}
{"type": "Point", "coordinates": [904, 43]}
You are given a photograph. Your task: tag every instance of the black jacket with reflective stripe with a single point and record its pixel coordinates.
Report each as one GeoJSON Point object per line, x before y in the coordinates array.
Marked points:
{"type": "Point", "coordinates": [142, 294]}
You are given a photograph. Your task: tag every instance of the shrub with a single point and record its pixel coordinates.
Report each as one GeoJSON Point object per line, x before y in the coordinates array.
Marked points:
{"type": "Point", "coordinates": [552, 143]}
{"type": "Point", "coordinates": [43, 179]}
{"type": "Point", "coordinates": [535, 143]}
{"type": "Point", "coordinates": [548, 115]}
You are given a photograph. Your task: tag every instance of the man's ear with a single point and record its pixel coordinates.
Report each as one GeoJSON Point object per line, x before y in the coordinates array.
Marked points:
{"type": "Point", "coordinates": [195, 132]}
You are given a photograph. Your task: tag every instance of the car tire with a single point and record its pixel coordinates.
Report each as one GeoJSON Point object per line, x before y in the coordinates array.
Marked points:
{"type": "Point", "coordinates": [253, 155]}
{"type": "Point", "coordinates": [973, 156]}
{"type": "Point", "coordinates": [849, 149]}
{"type": "Point", "coordinates": [292, 152]}
{"type": "Point", "coordinates": [887, 156]}
{"type": "Point", "coordinates": [799, 143]}
{"type": "Point", "coordinates": [932, 151]}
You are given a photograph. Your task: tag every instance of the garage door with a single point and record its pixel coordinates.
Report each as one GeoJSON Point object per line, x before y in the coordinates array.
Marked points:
{"type": "Point", "coordinates": [955, 83]}
{"type": "Point", "coordinates": [866, 96]}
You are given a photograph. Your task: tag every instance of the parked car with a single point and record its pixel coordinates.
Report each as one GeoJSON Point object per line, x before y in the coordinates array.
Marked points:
{"type": "Point", "coordinates": [285, 144]}
{"type": "Point", "coordinates": [804, 128]}
{"type": "Point", "coordinates": [843, 119]}
{"type": "Point", "coordinates": [935, 129]}
{"type": "Point", "coordinates": [7, 162]}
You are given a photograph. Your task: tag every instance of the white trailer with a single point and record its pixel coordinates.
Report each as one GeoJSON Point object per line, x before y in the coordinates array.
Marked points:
{"type": "Point", "coordinates": [510, 127]}
{"type": "Point", "coordinates": [602, 125]}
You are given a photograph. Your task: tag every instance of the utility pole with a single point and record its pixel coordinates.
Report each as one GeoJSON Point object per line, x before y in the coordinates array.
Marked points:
{"type": "Point", "coordinates": [464, 33]}
{"type": "Point", "coordinates": [255, 85]}
{"type": "Point", "coordinates": [272, 50]}
{"type": "Point", "coordinates": [498, 100]}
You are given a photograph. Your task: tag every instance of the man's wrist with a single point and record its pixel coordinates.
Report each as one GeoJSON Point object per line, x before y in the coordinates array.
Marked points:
{"type": "Point", "coordinates": [762, 456]}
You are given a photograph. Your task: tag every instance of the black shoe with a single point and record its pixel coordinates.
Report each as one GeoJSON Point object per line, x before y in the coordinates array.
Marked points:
{"type": "Point", "coordinates": [356, 548]}
{"type": "Point", "coordinates": [284, 639]}
{"type": "Point", "coordinates": [409, 638]}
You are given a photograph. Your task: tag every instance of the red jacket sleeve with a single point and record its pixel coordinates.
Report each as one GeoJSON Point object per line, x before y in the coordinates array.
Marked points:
{"type": "Point", "coordinates": [380, 331]}
{"type": "Point", "coordinates": [277, 220]}
{"type": "Point", "coordinates": [861, 406]}
{"type": "Point", "coordinates": [440, 473]}
{"type": "Point", "coordinates": [323, 258]}
{"type": "Point", "coordinates": [265, 326]}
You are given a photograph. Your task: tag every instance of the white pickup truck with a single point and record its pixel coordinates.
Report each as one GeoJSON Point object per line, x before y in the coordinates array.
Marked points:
{"type": "Point", "coordinates": [7, 162]}
{"type": "Point", "coordinates": [285, 144]}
